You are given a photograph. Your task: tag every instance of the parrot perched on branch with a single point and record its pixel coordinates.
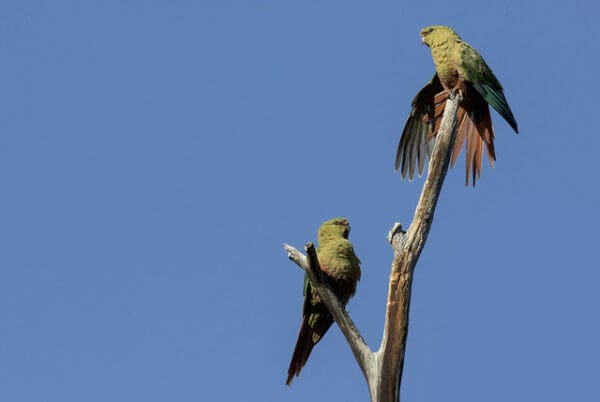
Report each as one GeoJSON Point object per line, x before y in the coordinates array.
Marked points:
{"type": "Point", "coordinates": [460, 68]}
{"type": "Point", "coordinates": [341, 268]}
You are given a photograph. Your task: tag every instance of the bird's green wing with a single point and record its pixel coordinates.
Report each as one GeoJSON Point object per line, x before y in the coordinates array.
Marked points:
{"type": "Point", "coordinates": [307, 292]}
{"type": "Point", "coordinates": [484, 81]}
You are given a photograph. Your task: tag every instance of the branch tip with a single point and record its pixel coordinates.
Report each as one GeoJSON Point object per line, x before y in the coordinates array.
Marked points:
{"type": "Point", "coordinates": [395, 230]}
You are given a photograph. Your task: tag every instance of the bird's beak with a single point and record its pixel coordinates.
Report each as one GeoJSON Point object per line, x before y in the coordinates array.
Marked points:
{"type": "Point", "coordinates": [423, 40]}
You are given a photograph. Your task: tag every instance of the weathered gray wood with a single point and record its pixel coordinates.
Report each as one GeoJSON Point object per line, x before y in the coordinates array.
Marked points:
{"type": "Point", "coordinates": [407, 249]}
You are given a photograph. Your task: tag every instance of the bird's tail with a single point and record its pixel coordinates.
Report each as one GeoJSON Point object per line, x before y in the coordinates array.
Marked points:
{"type": "Point", "coordinates": [307, 339]}
{"type": "Point", "coordinates": [474, 128]}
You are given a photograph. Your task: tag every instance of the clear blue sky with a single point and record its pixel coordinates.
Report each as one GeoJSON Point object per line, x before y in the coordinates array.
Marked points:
{"type": "Point", "coordinates": [154, 156]}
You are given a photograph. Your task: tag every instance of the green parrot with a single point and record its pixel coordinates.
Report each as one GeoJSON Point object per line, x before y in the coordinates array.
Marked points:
{"type": "Point", "coordinates": [460, 68]}
{"type": "Point", "coordinates": [341, 268]}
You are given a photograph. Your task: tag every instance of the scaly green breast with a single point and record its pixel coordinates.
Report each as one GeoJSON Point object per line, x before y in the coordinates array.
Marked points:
{"type": "Point", "coordinates": [446, 57]}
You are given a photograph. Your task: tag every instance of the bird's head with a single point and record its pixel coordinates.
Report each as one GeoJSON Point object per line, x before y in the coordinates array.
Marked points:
{"type": "Point", "coordinates": [334, 229]}
{"type": "Point", "coordinates": [435, 34]}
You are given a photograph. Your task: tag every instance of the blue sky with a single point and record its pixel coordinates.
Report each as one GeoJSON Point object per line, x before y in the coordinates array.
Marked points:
{"type": "Point", "coordinates": [154, 156]}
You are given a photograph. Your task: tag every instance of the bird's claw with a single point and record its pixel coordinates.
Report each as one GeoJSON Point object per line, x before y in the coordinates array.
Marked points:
{"type": "Point", "coordinates": [456, 93]}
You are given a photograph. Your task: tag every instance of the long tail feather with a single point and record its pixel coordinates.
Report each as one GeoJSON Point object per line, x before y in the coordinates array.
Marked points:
{"type": "Point", "coordinates": [304, 346]}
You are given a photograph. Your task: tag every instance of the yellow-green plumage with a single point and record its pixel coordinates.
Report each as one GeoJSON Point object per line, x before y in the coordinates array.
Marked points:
{"type": "Point", "coordinates": [459, 67]}
{"type": "Point", "coordinates": [341, 268]}
{"type": "Point", "coordinates": [457, 62]}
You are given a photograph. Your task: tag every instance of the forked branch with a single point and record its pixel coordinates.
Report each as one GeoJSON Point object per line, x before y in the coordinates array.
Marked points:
{"type": "Point", "coordinates": [383, 369]}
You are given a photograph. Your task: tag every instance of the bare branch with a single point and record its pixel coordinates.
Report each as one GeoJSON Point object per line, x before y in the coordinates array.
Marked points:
{"type": "Point", "coordinates": [296, 256]}
{"type": "Point", "coordinates": [310, 264]}
{"type": "Point", "coordinates": [407, 249]}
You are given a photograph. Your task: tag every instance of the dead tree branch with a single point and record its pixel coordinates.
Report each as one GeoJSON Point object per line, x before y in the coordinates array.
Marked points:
{"type": "Point", "coordinates": [383, 369]}
{"type": "Point", "coordinates": [407, 249]}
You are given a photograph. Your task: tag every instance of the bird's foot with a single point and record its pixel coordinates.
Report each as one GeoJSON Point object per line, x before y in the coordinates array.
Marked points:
{"type": "Point", "coordinates": [456, 93]}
